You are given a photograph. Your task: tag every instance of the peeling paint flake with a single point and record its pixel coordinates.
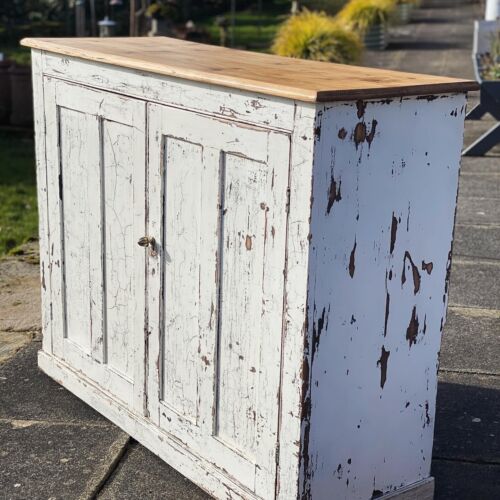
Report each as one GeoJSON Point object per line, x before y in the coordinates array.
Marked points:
{"type": "Point", "coordinates": [352, 265]}
{"type": "Point", "coordinates": [412, 330]}
{"type": "Point", "coordinates": [382, 362]}
{"type": "Point", "coordinates": [414, 270]}
{"type": "Point", "coordinates": [333, 194]}
{"type": "Point", "coordinates": [394, 230]}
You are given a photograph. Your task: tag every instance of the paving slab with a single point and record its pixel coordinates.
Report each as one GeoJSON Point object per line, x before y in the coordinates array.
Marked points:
{"type": "Point", "coordinates": [471, 341]}
{"type": "Point", "coordinates": [475, 283]}
{"type": "Point", "coordinates": [480, 185]}
{"type": "Point", "coordinates": [141, 474]}
{"type": "Point", "coordinates": [478, 241]}
{"type": "Point", "coordinates": [465, 481]}
{"type": "Point", "coordinates": [467, 423]}
{"type": "Point", "coordinates": [55, 461]}
{"type": "Point", "coordinates": [476, 128]}
{"type": "Point", "coordinates": [438, 41]}
{"type": "Point", "coordinates": [27, 393]}
{"type": "Point", "coordinates": [478, 211]}
{"type": "Point", "coordinates": [489, 163]}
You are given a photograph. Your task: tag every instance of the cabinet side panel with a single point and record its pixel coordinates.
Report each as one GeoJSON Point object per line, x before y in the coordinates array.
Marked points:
{"type": "Point", "coordinates": [385, 186]}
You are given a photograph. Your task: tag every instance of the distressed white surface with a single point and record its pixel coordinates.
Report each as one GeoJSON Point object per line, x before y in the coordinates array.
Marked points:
{"type": "Point", "coordinates": [218, 194]}
{"type": "Point", "coordinates": [371, 419]}
{"type": "Point", "coordinates": [294, 302]}
{"type": "Point", "coordinates": [241, 337]}
{"type": "Point", "coordinates": [97, 293]}
{"type": "Point", "coordinates": [234, 104]}
{"type": "Point", "coordinates": [41, 181]}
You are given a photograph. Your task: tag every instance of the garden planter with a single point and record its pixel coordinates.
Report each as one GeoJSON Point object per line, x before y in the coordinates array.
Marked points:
{"type": "Point", "coordinates": [4, 92]}
{"type": "Point", "coordinates": [376, 37]}
{"type": "Point", "coordinates": [21, 113]}
{"type": "Point", "coordinates": [275, 313]}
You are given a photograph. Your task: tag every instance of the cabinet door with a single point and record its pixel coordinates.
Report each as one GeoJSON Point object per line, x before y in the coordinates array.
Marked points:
{"type": "Point", "coordinates": [96, 204]}
{"type": "Point", "coordinates": [217, 196]}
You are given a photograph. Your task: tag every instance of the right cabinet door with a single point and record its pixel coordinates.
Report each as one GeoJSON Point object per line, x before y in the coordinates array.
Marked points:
{"type": "Point", "coordinates": [217, 208]}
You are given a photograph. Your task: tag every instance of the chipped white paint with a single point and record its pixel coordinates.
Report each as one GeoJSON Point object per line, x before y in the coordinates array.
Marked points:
{"type": "Point", "coordinates": [217, 206]}
{"type": "Point", "coordinates": [249, 346]}
{"type": "Point", "coordinates": [385, 186]}
{"type": "Point", "coordinates": [97, 276]}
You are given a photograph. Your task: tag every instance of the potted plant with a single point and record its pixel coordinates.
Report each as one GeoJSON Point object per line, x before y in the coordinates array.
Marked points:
{"type": "Point", "coordinates": [316, 36]}
{"type": "Point", "coordinates": [370, 19]}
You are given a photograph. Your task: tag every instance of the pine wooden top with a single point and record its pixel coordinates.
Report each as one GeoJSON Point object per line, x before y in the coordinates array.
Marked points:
{"type": "Point", "coordinates": [279, 76]}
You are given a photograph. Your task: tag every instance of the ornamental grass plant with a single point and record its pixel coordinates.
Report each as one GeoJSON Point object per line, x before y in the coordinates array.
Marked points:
{"type": "Point", "coordinates": [317, 36]}
{"type": "Point", "coordinates": [361, 15]}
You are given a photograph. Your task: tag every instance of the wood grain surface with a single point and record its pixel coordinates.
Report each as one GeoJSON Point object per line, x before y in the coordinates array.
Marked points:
{"type": "Point", "coordinates": [302, 80]}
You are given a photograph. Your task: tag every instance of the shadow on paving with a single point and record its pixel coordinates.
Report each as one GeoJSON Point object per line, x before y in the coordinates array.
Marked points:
{"type": "Point", "coordinates": [466, 462]}
{"type": "Point", "coordinates": [52, 445]}
{"type": "Point", "coordinates": [142, 472]}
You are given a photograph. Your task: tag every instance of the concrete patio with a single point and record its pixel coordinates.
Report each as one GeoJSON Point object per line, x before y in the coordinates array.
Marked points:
{"type": "Point", "coordinates": [53, 446]}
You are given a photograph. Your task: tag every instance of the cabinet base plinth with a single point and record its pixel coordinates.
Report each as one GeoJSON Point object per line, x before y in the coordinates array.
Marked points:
{"type": "Point", "coordinates": [199, 471]}
{"type": "Point", "coordinates": [422, 490]}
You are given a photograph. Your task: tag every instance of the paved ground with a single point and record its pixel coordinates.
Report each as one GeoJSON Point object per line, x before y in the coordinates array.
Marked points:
{"type": "Point", "coordinates": [52, 446]}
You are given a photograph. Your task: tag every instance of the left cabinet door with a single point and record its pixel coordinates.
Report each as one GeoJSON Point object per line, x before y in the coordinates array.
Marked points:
{"type": "Point", "coordinates": [95, 157]}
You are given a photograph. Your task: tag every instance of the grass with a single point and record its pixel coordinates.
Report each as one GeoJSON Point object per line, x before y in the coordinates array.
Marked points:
{"type": "Point", "coordinates": [18, 203]}
{"type": "Point", "coordinates": [20, 55]}
{"type": "Point", "coordinates": [253, 30]}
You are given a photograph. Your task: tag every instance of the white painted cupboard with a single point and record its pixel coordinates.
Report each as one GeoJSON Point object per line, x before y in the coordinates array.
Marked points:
{"type": "Point", "coordinates": [248, 272]}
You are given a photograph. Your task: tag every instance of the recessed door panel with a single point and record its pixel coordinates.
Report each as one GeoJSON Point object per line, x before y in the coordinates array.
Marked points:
{"type": "Point", "coordinates": [77, 130]}
{"type": "Point", "coordinates": [182, 222]}
{"type": "Point", "coordinates": [243, 233]}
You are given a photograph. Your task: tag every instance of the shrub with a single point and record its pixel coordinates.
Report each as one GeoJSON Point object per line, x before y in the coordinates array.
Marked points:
{"type": "Point", "coordinates": [331, 7]}
{"type": "Point", "coordinates": [360, 15]}
{"type": "Point", "coordinates": [316, 36]}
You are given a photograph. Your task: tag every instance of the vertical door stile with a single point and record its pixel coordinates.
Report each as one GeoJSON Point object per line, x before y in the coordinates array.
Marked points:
{"type": "Point", "coordinates": [96, 240]}
{"type": "Point", "coordinates": [153, 330]}
{"type": "Point", "coordinates": [213, 180]}
{"type": "Point", "coordinates": [55, 219]}
{"type": "Point", "coordinates": [139, 159]}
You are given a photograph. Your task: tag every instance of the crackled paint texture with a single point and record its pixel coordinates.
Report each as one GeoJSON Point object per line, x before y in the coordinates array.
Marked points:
{"type": "Point", "coordinates": [377, 292]}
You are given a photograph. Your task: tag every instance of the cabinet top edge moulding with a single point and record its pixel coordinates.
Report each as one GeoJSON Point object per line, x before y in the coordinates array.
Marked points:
{"type": "Point", "coordinates": [307, 81]}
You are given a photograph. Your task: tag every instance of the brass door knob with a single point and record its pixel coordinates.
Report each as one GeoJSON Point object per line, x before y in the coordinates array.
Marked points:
{"type": "Point", "coordinates": [149, 241]}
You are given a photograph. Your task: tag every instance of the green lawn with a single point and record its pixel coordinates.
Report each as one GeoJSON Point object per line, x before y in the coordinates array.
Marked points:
{"type": "Point", "coordinates": [16, 53]}
{"type": "Point", "coordinates": [18, 209]}
{"type": "Point", "coordinates": [254, 30]}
